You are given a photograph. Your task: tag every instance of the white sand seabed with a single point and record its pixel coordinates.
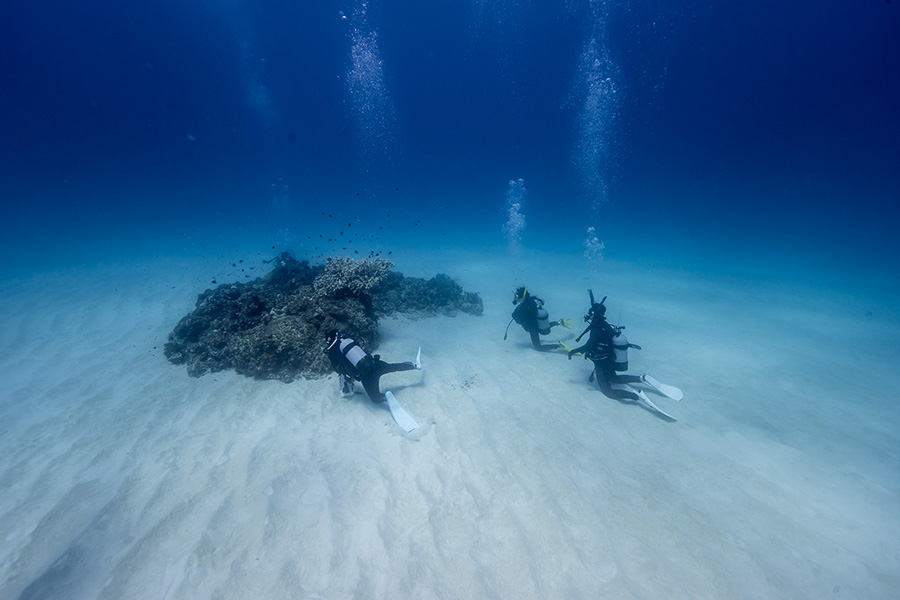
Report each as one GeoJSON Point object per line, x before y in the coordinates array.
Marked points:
{"type": "Point", "coordinates": [122, 477]}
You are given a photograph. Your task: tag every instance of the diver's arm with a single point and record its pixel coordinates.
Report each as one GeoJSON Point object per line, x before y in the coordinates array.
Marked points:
{"type": "Point", "coordinates": [596, 332]}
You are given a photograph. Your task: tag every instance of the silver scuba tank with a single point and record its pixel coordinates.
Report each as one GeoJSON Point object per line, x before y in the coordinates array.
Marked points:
{"type": "Point", "coordinates": [620, 352]}
{"type": "Point", "coordinates": [543, 320]}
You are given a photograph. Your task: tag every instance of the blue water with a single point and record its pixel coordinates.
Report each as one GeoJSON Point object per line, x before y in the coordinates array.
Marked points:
{"type": "Point", "coordinates": [676, 130]}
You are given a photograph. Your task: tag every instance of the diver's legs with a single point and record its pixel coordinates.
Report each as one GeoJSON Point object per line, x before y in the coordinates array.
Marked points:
{"type": "Point", "coordinates": [606, 375]}
{"type": "Point", "coordinates": [382, 367]}
{"type": "Point", "coordinates": [368, 376]}
{"type": "Point", "coordinates": [370, 383]}
{"type": "Point", "coordinates": [536, 342]}
{"type": "Point", "coordinates": [371, 375]}
{"type": "Point", "coordinates": [626, 379]}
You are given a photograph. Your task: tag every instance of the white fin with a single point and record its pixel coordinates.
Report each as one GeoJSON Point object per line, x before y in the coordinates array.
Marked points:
{"type": "Point", "coordinates": [669, 391]}
{"type": "Point", "coordinates": [646, 401]}
{"type": "Point", "coordinates": [400, 415]}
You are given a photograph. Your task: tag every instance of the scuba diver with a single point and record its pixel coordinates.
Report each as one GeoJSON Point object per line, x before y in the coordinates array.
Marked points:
{"type": "Point", "coordinates": [601, 350]}
{"type": "Point", "coordinates": [607, 348]}
{"type": "Point", "coordinates": [351, 363]}
{"type": "Point", "coordinates": [532, 316]}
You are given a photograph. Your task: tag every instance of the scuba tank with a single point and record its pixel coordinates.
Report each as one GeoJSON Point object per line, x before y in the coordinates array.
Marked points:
{"type": "Point", "coordinates": [543, 320]}
{"type": "Point", "coordinates": [620, 350]}
{"type": "Point", "coordinates": [352, 352]}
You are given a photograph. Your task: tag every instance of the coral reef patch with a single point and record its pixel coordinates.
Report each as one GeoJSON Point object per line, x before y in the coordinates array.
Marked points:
{"type": "Point", "coordinates": [273, 327]}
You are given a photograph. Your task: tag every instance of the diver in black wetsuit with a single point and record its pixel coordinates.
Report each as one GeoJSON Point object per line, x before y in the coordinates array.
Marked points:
{"type": "Point", "coordinates": [351, 362]}
{"type": "Point", "coordinates": [532, 316]}
{"type": "Point", "coordinates": [600, 349]}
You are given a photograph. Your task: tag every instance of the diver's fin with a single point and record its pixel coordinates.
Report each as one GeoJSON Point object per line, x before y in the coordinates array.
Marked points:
{"type": "Point", "coordinates": [567, 323]}
{"type": "Point", "coordinates": [646, 402]}
{"type": "Point", "coordinates": [669, 391]}
{"type": "Point", "coordinates": [642, 399]}
{"type": "Point", "coordinates": [568, 348]}
{"type": "Point", "coordinates": [419, 359]}
{"type": "Point", "coordinates": [401, 417]}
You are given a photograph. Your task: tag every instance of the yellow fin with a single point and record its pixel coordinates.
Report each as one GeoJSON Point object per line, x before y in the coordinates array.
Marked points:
{"type": "Point", "coordinates": [568, 348]}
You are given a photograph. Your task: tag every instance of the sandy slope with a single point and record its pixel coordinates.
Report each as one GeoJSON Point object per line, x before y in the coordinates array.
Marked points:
{"type": "Point", "coordinates": [121, 477]}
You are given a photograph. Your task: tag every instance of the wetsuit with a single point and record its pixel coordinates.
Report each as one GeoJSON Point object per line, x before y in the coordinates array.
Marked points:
{"type": "Point", "coordinates": [349, 359]}
{"type": "Point", "coordinates": [526, 315]}
{"type": "Point", "coordinates": [599, 350]}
